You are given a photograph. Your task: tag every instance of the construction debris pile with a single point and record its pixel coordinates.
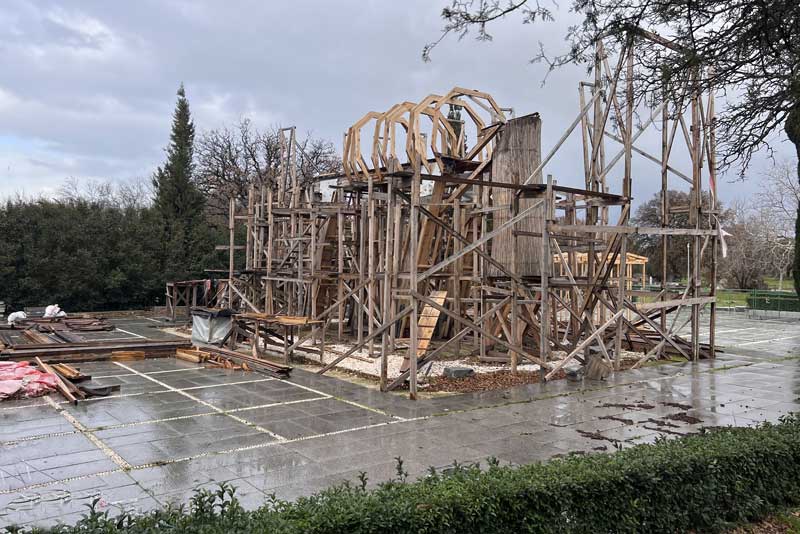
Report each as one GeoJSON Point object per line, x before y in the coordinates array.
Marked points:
{"type": "Point", "coordinates": [38, 355]}
{"type": "Point", "coordinates": [19, 380]}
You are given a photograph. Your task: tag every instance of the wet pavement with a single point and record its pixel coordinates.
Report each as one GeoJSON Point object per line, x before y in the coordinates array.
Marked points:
{"type": "Point", "coordinates": [176, 426]}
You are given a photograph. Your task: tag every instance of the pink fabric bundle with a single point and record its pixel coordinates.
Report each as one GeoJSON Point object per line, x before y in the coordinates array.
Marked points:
{"type": "Point", "coordinates": [20, 380]}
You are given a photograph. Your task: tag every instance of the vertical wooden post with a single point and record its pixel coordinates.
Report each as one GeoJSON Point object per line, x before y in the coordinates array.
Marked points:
{"type": "Point", "coordinates": [546, 262]}
{"type": "Point", "coordinates": [412, 252]}
{"type": "Point", "coordinates": [664, 204]}
{"type": "Point", "coordinates": [695, 211]}
{"type": "Point", "coordinates": [712, 182]}
{"type": "Point", "coordinates": [458, 266]}
{"type": "Point", "coordinates": [387, 283]}
{"type": "Point", "coordinates": [269, 307]}
{"type": "Point", "coordinates": [231, 244]}
{"type": "Point", "coordinates": [514, 289]}
{"type": "Point", "coordinates": [626, 192]}
{"type": "Point", "coordinates": [396, 255]}
{"type": "Point", "coordinates": [484, 193]}
{"type": "Point", "coordinates": [314, 283]}
{"type": "Point", "coordinates": [572, 261]}
{"type": "Point", "coordinates": [594, 182]}
{"type": "Point", "coordinates": [250, 226]}
{"type": "Point", "coordinates": [260, 219]}
{"type": "Point", "coordinates": [362, 266]}
{"type": "Point", "coordinates": [476, 280]}
{"type": "Point", "coordinates": [371, 262]}
{"type": "Point", "coordinates": [340, 272]}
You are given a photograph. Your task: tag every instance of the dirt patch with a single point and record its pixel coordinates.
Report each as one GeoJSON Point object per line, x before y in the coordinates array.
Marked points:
{"type": "Point", "coordinates": [666, 431]}
{"type": "Point", "coordinates": [661, 423]}
{"type": "Point", "coordinates": [678, 405]}
{"type": "Point", "coordinates": [595, 435]}
{"type": "Point", "coordinates": [485, 381]}
{"type": "Point", "coordinates": [620, 419]}
{"type": "Point", "coordinates": [635, 406]}
{"type": "Point", "coordinates": [684, 417]}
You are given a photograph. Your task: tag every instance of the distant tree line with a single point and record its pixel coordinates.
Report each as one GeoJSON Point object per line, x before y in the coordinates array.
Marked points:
{"type": "Point", "coordinates": [760, 239]}
{"type": "Point", "coordinates": [100, 246]}
{"type": "Point", "coordinates": [84, 253]}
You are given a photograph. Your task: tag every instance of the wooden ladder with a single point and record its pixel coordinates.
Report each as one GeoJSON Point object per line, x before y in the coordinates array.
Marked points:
{"type": "Point", "coordinates": [427, 324]}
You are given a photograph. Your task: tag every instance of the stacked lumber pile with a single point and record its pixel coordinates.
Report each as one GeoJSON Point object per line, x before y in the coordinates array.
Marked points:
{"type": "Point", "coordinates": [210, 360]}
{"type": "Point", "coordinates": [83, 323]}
{"type": "Point", "coordinates": [92, 350]}
{"type": "Point", "coordinates": [217, 357]}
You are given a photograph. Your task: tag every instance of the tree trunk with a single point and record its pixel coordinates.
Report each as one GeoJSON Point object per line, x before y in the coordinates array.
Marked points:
{"type": "Point", "coordinates": [793, 131]}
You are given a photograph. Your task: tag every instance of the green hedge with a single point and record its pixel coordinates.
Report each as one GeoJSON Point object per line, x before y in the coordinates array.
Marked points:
{"type": "Point", "coordinates": [699, 483]}
{"type": "Point", "coordinates": [773, 300]}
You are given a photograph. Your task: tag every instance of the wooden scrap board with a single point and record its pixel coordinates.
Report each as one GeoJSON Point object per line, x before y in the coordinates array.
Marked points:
{"type": "Point", "coordinates": [427, 324]}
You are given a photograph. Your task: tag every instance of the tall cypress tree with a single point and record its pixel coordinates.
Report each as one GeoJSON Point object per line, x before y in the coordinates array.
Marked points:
{"type": "Point", "coordinates": [178, 201]}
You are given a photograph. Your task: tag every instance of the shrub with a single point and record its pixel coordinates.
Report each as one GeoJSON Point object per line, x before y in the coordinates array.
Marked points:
{"type": "Point", "coordinates": [773, 300]}
{"type": "Point", "coordinates": [705, 482]}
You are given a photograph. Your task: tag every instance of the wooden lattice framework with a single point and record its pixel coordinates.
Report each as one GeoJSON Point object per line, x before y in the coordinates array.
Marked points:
{"type": "Point", "coordinates": [382, 261]}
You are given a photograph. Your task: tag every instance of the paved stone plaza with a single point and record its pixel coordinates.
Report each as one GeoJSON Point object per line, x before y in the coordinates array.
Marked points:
{"type": "Point", "coordinates": [175, 426]}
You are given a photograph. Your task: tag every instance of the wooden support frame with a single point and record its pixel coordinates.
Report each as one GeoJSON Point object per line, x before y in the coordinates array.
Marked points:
{"type": "Point", "coordinates": [417, 212]}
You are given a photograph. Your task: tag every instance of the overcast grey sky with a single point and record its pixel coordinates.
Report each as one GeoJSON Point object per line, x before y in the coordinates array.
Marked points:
{"type": "Point", "coordinates": [88, 87]}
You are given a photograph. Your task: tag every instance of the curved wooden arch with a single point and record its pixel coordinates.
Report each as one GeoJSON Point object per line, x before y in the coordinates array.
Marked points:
{"type": "Point", "coordinates": [436, 134]}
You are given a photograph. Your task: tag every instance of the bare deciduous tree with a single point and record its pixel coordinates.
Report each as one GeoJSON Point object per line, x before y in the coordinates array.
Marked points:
{"type": "Point", "coordinates": [747, 49]}
{"type": "Point", "coordinates": [747, 261]}
{"type": "Point", "coordinates": [229, 159]}
{"type": "Point", "coordinates": [136, 193]}
{"type": "Point", "coordinates": [777, 201]}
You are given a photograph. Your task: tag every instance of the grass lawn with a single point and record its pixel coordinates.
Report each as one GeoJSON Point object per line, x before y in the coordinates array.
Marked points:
{"type": "Point", "coordinates": [728, 297]}
{"type": "Point", "coordinates": [772, 283]}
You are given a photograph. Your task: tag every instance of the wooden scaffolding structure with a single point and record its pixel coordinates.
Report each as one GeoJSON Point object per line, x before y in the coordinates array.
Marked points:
{"type": "Point", "coordinates": [443, 225]}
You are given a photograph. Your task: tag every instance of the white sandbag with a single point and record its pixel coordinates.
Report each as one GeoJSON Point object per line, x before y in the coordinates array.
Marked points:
{"type": "Point", "coordinates": [54, 311]}
{"type": "Point", "coordinates": [17, 316]}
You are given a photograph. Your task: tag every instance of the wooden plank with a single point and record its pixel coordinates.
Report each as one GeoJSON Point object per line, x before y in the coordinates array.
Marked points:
{"type": "Point", "coordinates": [643, 306]}
{"type": "Point", "coordinates": [127, 355]}
{"type": "Point", "coordinates": [37, 337]}
{"type": "Point", "coordinates": [190, 355]}
{"type": "Point", "coordinates": [426, 325]}
{"type": "Point", "coordinates": [60, 384]}
{"type": "Point", "coordinates": [641, 230]}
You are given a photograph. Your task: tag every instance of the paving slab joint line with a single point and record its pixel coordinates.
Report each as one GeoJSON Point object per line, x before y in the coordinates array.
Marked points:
{"type": "Point", "coordinates": [207, 404]}
{"type": "Point", "coordinates": [352, 403]}
{"type": "Point", "coordinates": [140, 393]}
{"type": "Point", "coordinates": [162, 420]}
{"type": "Point", "coordinates": [286, 442]}
{"type": "Point", "coordinates": [223, 452]}
{"type": "Point", "coordinates": [165, 371]}
{"type": "Point", "coordinates": [337, 432]}
{"type": "Point", "coordinates": [108, 451]}
{"type": "Point", "coordinates": [173, 389]}
{"type": "Point", "coordinates": [64, 481]}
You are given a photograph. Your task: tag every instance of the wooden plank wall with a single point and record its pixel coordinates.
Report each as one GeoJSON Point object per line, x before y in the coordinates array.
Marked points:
{"type": "Point", "coordinates": [517, 154]}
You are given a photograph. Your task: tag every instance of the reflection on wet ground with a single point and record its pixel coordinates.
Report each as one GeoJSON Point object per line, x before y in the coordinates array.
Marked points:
{"type": "Point", "coordinates": [176, 426]}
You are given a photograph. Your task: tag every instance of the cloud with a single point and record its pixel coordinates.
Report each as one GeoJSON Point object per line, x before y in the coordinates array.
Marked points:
{"type": "Point", "coordinates": [90, 87]}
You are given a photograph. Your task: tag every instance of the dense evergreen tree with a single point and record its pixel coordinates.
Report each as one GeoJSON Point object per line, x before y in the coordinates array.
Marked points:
{"type": "Point", "coordinates": [186, 239]}
{"type": "Point", "coordinates": [82, 254]}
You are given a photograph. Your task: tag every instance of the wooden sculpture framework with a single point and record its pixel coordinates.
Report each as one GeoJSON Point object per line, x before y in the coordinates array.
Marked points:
{"type": "Point", "coordinates": [471, 261]}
